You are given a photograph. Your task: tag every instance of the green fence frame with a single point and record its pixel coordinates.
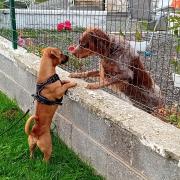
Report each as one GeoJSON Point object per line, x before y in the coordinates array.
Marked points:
{"type": "Point", "coordinates": [13, 23]}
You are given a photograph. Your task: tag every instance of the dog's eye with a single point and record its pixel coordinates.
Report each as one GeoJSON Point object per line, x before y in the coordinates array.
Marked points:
{"type": "Point", "coordinates": [84, 45]}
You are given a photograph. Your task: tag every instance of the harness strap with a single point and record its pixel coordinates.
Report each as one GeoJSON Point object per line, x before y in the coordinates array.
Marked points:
{"type": "Point", "coordinates": [46, 101]}
{"type": "Point", "coordinates": [50, 80]}
{"type": "Point", "coordinates": [41, 86]}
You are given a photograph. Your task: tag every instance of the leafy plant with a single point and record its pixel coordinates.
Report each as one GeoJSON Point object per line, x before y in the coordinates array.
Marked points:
{"type": "Point", "coordinates": [175, 21]}
{"type": "Point", "coordinates": [176, 64]}
{"type": "Point", "coordinates": [29, 33]}
{"type": "Point", "coordinates": [173, 116]}
{"type": "Point", "coordinates": [174, 119]}
{"type": "Point", "coordinates": [138, 36]}
{"type": "Point", "coordinates": [144, 25]}
{"type": "Point", "coordinates": [1, 4]}
{"type": "Point", "coordinates": [121, 33]}
{"type": "Point", "coordinates": [170, 114]}
{"type": "Point", "coordinates": [79, 29]}
{"type": "Point", "coordinates": [40, 1]}
{"type": "Point", "coordinates": [36, 49]}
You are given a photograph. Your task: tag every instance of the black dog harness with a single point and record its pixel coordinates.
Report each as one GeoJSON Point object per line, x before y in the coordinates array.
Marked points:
{"type": "Point", "coordinates": [41, 86]}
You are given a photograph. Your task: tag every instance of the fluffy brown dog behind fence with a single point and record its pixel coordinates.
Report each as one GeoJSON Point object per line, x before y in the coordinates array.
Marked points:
{"type": "Point", "coordinates": [49, 94]}
{"type": "Point", "coordinates": [120, 67]}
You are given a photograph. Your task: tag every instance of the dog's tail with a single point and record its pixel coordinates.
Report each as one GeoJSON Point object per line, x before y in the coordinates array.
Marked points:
{"type": "Point", "coordinates": [28, 123]}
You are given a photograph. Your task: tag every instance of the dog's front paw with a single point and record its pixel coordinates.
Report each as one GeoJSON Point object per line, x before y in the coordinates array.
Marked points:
{"type": "Point", "coordinates": [73, 75]}
{"type": "Point", "coordinates": [73, 84]}
{"type": "Point", "coordinates": [93, 86]}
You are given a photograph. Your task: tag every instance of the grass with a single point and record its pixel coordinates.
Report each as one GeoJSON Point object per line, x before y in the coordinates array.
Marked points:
{"type": "Point", "coordinates": [174, 119]}
{"type": "Point", "coordinates": [170, 115]}
{"type": "Point", "coordinates": [14, 153]}
{"type": "Point", "coordinates": [40, 1]}
{"type": "Point", "coordinates": [45, 37]}
{"type": "Point", "coordinates": [1, 4]}
{"type": "Point", "coordinates": [173, 116]}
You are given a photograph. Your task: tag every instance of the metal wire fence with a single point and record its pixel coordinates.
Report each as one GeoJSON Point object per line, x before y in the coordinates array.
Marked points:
{"type": "Point", "coordinates": [137, 52]}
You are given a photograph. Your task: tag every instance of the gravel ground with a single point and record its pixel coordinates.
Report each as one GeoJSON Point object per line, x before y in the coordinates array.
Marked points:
{"type": "Point", "coordinates": [163, 48]}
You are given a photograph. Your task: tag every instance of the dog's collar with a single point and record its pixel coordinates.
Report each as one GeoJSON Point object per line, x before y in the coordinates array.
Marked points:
{"type": "Point", "coordinates": [41, 86]}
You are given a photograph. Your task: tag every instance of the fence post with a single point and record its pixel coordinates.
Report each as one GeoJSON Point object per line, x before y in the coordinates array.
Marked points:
{"type": "Point", "coordinates": [103, 4]}
{"type": "Point", "coordinates": [13, 23]}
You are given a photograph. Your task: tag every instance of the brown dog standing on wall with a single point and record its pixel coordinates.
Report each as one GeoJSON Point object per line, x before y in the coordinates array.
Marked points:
{"type": "Point", "coordinates": [120, 66]}
{"type": "Point", "coordinates": [49, 94]}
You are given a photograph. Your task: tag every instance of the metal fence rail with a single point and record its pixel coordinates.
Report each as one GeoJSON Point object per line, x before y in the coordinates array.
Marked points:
{"type": "Point", "coordinates": [150, 27]}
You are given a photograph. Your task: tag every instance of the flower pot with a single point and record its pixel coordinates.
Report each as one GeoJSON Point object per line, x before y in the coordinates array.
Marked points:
{"type": "Point", "coordinates": [175, 4]}
{"type": "Point", "coordinates": [139, 46]}
{"type": "Point", "coordinates": [176, 79]}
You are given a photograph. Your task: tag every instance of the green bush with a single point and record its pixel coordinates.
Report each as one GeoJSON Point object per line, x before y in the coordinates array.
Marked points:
{"type": "Point", "coordinates": [176, 32]}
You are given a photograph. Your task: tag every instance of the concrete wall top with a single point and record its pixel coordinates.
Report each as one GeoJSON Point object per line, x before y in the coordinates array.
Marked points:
{"type": "Point", "coordinates": [161, 137]}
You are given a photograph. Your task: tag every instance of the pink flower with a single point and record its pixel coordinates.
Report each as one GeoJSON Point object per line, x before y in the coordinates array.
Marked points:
{"type": "Point", "coordinates": [21, 42]}
{"type": "Point", "coordinates": [67, 25]}
{"type": "Point", "coordinates": [60, 26]}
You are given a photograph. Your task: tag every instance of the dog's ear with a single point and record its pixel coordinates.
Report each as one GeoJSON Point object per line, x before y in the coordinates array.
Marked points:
{"type": "Point", "coordinates": [91, 34]}
{"type": "Point", "coordinates": [100, 40]}
{"type": "Point", "coordinates": [54, 53]}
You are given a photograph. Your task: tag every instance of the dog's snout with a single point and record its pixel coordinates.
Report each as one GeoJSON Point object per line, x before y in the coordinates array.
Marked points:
{"type": "Point", "coordinates": [76, 51]}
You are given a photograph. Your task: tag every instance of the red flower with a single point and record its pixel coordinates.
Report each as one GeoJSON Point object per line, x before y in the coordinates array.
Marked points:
{"type": "Point", "coordinates": [67, 25]}
{"type": "Point", "coordinates": [60, 26]}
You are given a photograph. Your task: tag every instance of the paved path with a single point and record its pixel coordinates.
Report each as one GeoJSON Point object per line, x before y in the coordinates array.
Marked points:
{"type": "Point", "coordinates": [61, 4]}
{"type": "Point", "coordinates": [51, 4]}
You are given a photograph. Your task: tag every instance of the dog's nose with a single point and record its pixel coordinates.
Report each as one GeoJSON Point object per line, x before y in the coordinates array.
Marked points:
{"type": "Point", "coordinates": [65, 59]}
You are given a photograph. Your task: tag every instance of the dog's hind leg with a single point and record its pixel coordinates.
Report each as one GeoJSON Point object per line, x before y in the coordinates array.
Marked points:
{"type": "Point", "coordinates": [32, 145]}
{"type": "Point", "coordinates": [45, 145]}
